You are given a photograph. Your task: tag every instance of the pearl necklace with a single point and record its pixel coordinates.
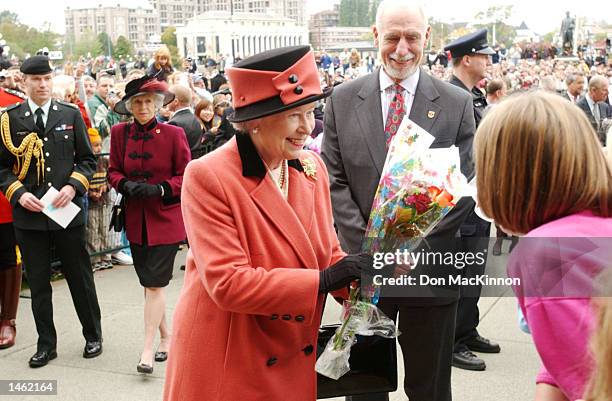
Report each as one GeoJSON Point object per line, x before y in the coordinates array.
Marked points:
{"type": "Point", "coordinates": [283, 179]}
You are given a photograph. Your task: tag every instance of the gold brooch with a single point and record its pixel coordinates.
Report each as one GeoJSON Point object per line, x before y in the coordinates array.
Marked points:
{"type": "Point", "coordinates": [310, 168]}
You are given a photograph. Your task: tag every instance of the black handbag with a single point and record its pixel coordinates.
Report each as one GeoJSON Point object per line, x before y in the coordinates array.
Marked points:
{"type": "Point", "coordinates": [373, 364]}
{"type": "Point", "coordinates": [117, 220]}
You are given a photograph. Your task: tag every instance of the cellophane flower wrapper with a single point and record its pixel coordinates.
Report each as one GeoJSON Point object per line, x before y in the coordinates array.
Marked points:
{"type": "Point", "coordinates": [418, 187]}
{"type": "Point", "coordinates": [359, 317]}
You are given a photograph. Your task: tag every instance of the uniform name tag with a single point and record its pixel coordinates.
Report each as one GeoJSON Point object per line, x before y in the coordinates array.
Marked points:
{"type": "Point", "coordinates": [22, 133]}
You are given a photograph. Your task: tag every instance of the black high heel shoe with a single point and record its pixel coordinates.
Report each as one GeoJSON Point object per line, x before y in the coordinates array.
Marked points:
{"type": "Point", "coordinates": [144, 368]}
{"type": "Point", "coordinates": [161, 356]}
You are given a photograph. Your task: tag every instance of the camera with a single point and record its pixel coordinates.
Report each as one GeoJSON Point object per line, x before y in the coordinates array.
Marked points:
{"type": "Point", "coordinates": [108, 71]}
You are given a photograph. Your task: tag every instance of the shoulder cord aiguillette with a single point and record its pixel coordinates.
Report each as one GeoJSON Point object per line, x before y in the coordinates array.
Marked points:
{"type": "Point", "coordinates": [31, 145]}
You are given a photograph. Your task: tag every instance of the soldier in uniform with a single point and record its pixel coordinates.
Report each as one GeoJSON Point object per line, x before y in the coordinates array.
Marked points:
{"type": "Point", "coordinates": [44, 145]}
{"type": "Point", "coordinates": [471, 54]}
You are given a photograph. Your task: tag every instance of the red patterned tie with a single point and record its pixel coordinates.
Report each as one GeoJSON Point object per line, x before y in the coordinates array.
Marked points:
{"type": "Point", "coordinates": [397, 110]}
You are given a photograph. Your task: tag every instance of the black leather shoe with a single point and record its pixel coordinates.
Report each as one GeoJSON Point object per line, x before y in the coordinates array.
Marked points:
{"type": "Point", "coordinates": [144, 368]}
{"type": "Point", "coordinates": [468, 361]}
{"type": "Point", "coordinates": [161, 356]}
{"type": "Point", "coordinates": [92, 349]}
{"type": "Point", "coordinates": [481, 344]}
{"type": "Point", "coordinates": [41, 358]}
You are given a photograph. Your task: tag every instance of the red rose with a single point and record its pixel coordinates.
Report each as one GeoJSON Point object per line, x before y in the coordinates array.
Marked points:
{"type": "Point", "coordinates": [421, 202]}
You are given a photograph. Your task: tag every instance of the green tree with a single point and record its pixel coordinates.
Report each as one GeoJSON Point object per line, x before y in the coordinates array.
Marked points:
{"type": "Point", "coordinates": [439, 33]}
{"type": "Point", "coordinates": [168, 38]}
{"type": "Point", "coordinates": [548, 38]}
{"type": "Point", "coordinates": [123, 48]}
{"type": "Point", "coordinates": [86, 45]}
{"type": "Point", "coordinates": [105, 44]}
{"type": "Point", "coordinates": [372, 12]}
{"type": "Point", "coordinates": [7, 16]}
{"type": "Point", "coordinates": [355, 13]}
{"type": "Point", "coordinates": [23, 39]}
{"type": "Point", "coordinates": [345, 12]}
{"type": "Point", "coordinates": [494, 18]}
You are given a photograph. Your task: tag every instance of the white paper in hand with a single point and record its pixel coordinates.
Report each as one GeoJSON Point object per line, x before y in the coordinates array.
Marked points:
{"type": "Point", "coordinates": [62, 216]}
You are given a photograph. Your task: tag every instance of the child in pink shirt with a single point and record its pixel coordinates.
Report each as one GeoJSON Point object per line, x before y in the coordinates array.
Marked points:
{"type": "Point", "coordinates": [541, 172]}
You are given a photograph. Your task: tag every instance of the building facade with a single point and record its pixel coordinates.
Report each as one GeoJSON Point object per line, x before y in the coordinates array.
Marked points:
{"type": "Point", "coordinates": [325, 32]}
{"type": "Point", "coordinates": [175, 12]}
{"type": "Point", "coordinates": [135, 24]}
{"type": "Point", "coordinates": [242, 34]}
{"type": "Point", "coordinates": [178, 12]}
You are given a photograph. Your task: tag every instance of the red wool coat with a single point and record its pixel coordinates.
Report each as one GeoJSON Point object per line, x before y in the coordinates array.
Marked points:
{"type": "Point", "coordinates": [246, 322]}
{"type": "Point", "coordinates": [156, 155]}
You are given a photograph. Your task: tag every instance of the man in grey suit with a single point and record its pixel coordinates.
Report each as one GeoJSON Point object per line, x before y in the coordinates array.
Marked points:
{"type": "Point", "coordinates": [595, 107]}
{"type": "Point", "coordinates": [183, 117]}
{"type": "Point", "coordinates": [357, 121]}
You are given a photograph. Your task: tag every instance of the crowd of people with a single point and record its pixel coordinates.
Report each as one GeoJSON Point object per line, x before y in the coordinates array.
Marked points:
{"type": "Point", "coordinates": [212, 157]}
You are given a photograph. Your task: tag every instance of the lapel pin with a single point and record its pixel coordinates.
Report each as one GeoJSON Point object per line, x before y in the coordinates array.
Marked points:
{"type": "Point", "coordinates": [55, 107]}
{"type": "Point", "coordinates": [431, 114]}
{"type": "Point", "coordinates": [27, 114]}
{"type": "Point", "coordinates": [157, 131]}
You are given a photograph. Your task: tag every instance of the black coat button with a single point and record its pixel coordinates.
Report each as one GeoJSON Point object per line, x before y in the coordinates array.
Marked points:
{"type": "Point", "coordinates": [298, 90]}
{"type": "Point", "coordinates": [286, 317]}
{"type": "Point", "coordinates": [293, 79]}
{"type": "Point", "coordinates": [271, 361]}
{"type": "Point", "coordinates": [308, 350]}
{"type": "Point", "coordinates": [274, 317]}
{"type": "Point", "coordinates": [299, 318]}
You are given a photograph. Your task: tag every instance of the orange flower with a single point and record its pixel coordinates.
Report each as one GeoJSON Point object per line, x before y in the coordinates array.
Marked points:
{"type": "Point", "coordinates": [444, 199]}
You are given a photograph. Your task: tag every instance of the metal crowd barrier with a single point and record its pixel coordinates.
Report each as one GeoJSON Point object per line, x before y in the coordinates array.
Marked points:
{"type": "Point", "coordinates": [102, 241]}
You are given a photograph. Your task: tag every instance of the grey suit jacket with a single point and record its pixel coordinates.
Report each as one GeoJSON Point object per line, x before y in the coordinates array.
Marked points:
{"type": "Point", "coordinates": [605, 111]}
{"type": "Point", "coordinates": [354, 147]}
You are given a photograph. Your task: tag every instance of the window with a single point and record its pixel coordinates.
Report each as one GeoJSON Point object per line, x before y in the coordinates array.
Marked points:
{"type": "Point", "coordinates": [201, 44]}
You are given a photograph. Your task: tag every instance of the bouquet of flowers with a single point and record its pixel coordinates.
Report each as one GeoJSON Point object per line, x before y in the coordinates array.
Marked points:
{"type": "Point", "coordinates": [418, 187]}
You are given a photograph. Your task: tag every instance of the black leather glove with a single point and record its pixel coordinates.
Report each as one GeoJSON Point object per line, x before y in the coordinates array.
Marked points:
{"type": "Point", "coordinates": [128, 188]}
{"type": "Point", "coordinates": [343, 272]}
{"type": "Point", "coordinates": [144, 190]}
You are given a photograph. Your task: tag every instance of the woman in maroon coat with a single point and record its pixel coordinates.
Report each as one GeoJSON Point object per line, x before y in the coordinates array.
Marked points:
{"type": "Point", "coordinates": [147, 162]}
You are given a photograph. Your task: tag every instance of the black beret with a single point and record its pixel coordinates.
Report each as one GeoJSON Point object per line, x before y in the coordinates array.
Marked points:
{"type": "Point", "coordinates": [36, 65]}
{"type": "Point", "coordinates": [472, 43]}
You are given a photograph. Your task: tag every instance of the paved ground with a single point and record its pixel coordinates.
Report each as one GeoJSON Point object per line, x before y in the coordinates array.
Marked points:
{"type": "Point", "coordinates": [113, 377]}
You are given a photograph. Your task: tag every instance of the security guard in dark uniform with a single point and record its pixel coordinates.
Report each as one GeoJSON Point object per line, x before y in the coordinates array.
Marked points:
{"type": "Point", "coordinates": [45, 144]}
{"type": "Point", "coordinates": [470, 57]}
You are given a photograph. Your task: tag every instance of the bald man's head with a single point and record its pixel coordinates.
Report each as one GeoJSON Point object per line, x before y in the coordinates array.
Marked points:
{"type": "Point", "coordinates": [182, 95]}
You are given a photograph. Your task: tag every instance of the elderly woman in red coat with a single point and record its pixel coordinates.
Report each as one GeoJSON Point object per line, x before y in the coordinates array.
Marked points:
{"type": "Point", "coordinates": [147, 162]}
{"type": "Point", "coordinates": [258, 217]}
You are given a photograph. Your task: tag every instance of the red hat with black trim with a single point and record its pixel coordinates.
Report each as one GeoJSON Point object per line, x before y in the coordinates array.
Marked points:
{"type": "Point", "coordinates": [274, 81]}
{"type": "Point", "coordinates": [139, 86]}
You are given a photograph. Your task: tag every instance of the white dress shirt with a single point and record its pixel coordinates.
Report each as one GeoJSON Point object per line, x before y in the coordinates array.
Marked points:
{"type": "Point", "coordinates": [387, 93]}
{"type": "Point", "coordinates": [594, 109]}
{"type": "Point", "coordinates": [45, 107]}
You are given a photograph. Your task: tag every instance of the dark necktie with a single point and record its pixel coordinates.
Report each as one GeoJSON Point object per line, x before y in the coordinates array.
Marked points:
{"type": "Point", "coordinates": [395, 115]}
{"type": "Point", "coordinates": [39, 120]}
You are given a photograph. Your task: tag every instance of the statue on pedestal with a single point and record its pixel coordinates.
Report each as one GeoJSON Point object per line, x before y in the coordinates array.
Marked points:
{"type": "Point", "coordinates": [567, 33]}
